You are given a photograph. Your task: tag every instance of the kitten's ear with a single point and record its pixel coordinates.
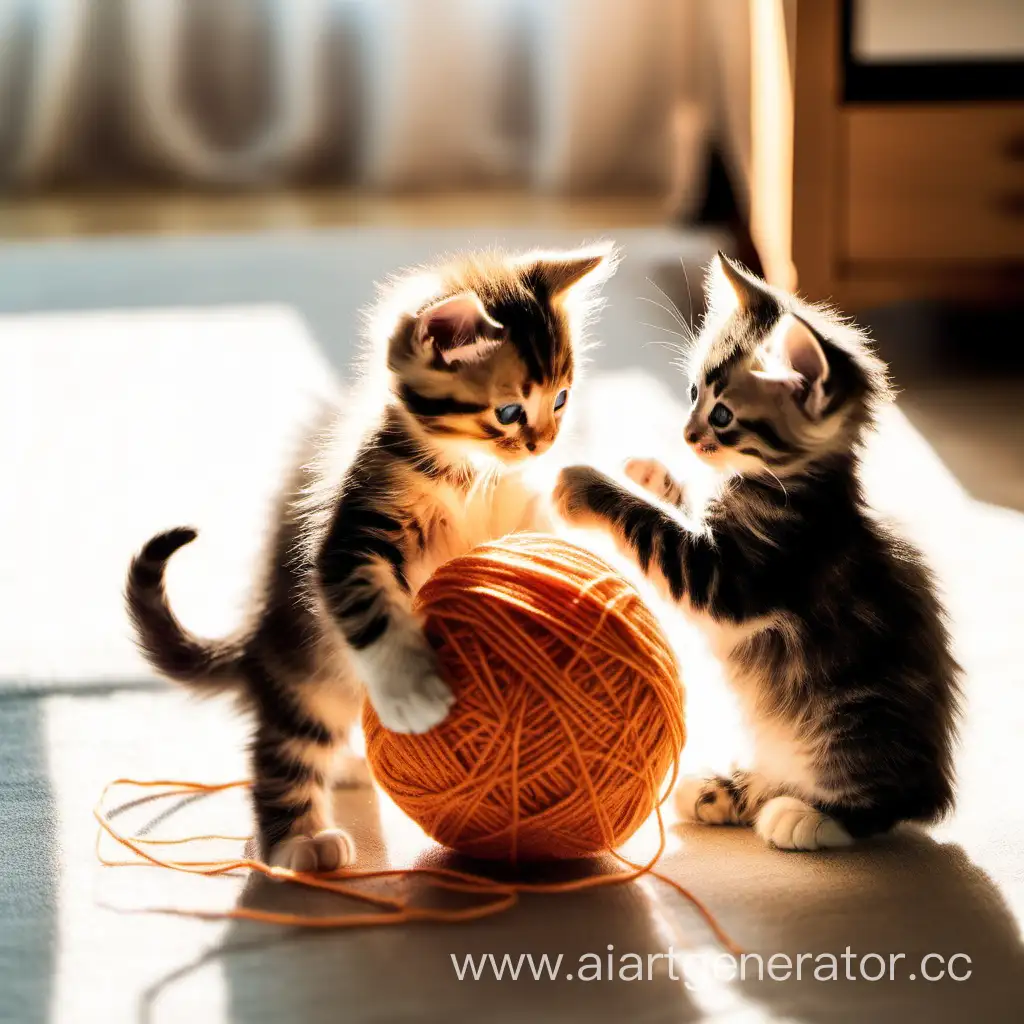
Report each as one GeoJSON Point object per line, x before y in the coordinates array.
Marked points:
{"type": "Point", "coordinates": [560, 271]}
{"type": "Point", "coordinates": [731, 286]}
{"type": "Point", "coordinates": [458, 329]}
{"type": "Point", "coordinates": [793, 356]}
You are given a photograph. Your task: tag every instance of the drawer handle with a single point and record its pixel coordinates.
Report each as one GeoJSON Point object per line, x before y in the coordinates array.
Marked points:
{"type": "Point", "coordinates": [1014, 148]}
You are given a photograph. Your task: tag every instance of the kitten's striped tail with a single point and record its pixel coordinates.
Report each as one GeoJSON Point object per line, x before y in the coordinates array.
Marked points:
{"type": "Point", "coordinates": [167, 644]}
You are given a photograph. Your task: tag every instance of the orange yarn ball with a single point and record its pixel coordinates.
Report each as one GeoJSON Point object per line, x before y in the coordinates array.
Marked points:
{"type": "Point", "coordinates": [568, 712]}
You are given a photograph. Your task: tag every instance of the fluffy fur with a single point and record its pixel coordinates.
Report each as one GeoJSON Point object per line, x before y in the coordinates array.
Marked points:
{"type": "Point", "coordinates": [481, 355]}
{"type": "Point", "coordinates": [826, 619]}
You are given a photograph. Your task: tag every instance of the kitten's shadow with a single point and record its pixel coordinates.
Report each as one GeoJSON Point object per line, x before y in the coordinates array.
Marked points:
{"type": "Point", "coordinates": [901, 894]}
{"type": "Point", "coordinates": [408, 971]}
{"type": "Point", "coordinates": [904, 894]}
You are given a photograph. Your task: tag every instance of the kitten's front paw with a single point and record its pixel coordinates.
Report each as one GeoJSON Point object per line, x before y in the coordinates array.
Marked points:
{"type": "Point", "coordinates": [707, 801]}
{"type": "Point", "coordinates": [329, 850]}
{"type": "Point", "coordinates": [576, 491]}
{"type": "Point", "coordinates": [790, 824]}
{"type": "Point", "coordinates": [423, 705]}
{"type": "Point", "coordinates": [654, 478]}
{"type": "Point", "coordinates": [410, 696]}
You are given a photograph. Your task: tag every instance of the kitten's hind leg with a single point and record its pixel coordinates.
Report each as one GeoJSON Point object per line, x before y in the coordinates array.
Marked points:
{"type": "Point", "coordinates": [721, 799]}
{"type": "Point", "coordinates": [790, 823]}
{"type": "Point", "coordinates": [745, 798]}
{"type": "Point", "coordinates": [330, 849]}
{"type": "Point", "coordinates": [291, 770]}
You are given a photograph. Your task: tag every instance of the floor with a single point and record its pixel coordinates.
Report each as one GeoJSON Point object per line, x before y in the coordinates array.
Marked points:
{"type": "Point", "coordinates": [180, 404]}
{"type": "Point", "coordinates": [118, 212]}
{"type": "Point", "coordinates": [962, 385]}
{"type": "Point", "coordinates": [977, 427]}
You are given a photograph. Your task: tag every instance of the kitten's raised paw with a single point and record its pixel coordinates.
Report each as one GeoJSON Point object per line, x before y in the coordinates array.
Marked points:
{"type": "Point", "coordinates": [654, 478]}
{"type": "Point", "coordinates": [791, 824]}
{"type": "Point", "coordinates": [707, 801]}
{"type": "Point", "coordinates": [403, 685]}
{"type": "Point", "coordinates": [328, 850]}
{"type": "Point", "coordinates": [576, 491]}
{"type": "Point", "coordinates": [417, 707]}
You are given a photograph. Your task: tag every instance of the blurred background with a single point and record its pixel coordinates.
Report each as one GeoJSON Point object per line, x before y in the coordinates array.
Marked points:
{"type": "Point", "coordinates": [864, 151]}
{"type": "Point", "coordinates": [594, 96]}
{"type": "Point", "coordinates": [255, 166]}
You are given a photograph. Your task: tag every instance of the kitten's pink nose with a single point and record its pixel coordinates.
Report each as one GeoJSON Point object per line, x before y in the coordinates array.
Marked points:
{"type": "Point", "coordinates": [693, 436]}
{"type": "Point", "coordinates": [531, 446]}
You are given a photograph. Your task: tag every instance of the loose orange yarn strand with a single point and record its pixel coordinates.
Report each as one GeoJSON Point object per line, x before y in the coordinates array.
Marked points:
{"type": "Point", "coordinates": [557, 614]}
{"type": "Point", "coordinates": [394, 911]}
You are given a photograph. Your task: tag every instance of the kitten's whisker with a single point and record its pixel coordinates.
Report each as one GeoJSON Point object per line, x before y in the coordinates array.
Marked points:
{"type": "Point", "coordinates": [671, 346]}
{"type": "Point", "coordinates": [676, 311]}
{"type": "Point", "coordinates": [667, 330]}
{"type": "Point", "coordinates": [689, 294]}
{"type": "Point", "coordinates": [779, 482]}
{"type": "Point", "coordinates": [672, 310]}
{"type": "Point", "coordinates": [677, 317]}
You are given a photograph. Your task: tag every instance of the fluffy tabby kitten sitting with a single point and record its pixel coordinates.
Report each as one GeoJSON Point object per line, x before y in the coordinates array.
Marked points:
{"type": "Point", "coordinates": [826, 620]}
{"type": "Point", "coordinates": [481, 356]}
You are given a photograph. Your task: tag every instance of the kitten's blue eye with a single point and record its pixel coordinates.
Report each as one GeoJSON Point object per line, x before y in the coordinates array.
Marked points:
{"type": "Point", "coordinates": [508, 413]}
{"type": "Point", "coordinates": [720, 416]}
{"type": "Point", "coordinates": [561, 397]}
{"type": "Point", "coordinates": [693, 392]}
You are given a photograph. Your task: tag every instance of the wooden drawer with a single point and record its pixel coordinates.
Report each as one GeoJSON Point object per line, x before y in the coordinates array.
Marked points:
{"type": "Point", "coordinates": [933, 183]}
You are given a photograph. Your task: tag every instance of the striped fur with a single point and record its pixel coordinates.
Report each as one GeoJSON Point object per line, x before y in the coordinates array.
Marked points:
{"type": "Point", "coordinates": [827, 620]}
{"type": "Point", "coordinates": [359, 528]}
{"type": "Point", "coordinates": [169, 647]}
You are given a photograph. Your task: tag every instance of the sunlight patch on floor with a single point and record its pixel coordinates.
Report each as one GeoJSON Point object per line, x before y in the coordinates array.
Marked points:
{"type": "Point", "coordinates": [102, 457]}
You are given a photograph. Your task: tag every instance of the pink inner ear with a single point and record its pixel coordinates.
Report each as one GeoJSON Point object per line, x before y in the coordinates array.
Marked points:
{"type": "Point", "coordinates": [794, 357]}
{"type": "Point", "coordinates": [459, 328]}
{"type": "Point", "coordinates": [796, 346]}
{"type": "Point", "coordinates": [779, 375]}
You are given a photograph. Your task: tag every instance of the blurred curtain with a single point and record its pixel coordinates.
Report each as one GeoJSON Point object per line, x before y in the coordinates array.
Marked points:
{"type": "Point", "coordinates": [559, 94]}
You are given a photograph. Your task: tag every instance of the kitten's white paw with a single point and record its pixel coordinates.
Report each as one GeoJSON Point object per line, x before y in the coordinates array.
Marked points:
{"type": "Point", "coordinates": [422, 706]}
{"type": "Point", "coordinates": [650, 474]}
{"type": "Point", "coordinates": [705, 801]}
{"type": "Point", "coordinates": [654, 478]}
{"type": "Point", "coordinates": [328, 850]}
{"type": "Point", "coordinates": [403, 685]}
{"type": "Point", "coordinates": [791, 824]}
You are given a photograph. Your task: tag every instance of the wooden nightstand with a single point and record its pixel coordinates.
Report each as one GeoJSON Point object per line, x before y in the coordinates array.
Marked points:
{"type": "Point", "coordinates": [876, 184]}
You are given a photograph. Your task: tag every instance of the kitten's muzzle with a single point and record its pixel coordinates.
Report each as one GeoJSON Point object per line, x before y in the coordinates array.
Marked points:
{"type": "Point", "coordinates": [703, 441]}
{"type": "Point", "coordinates": [699, 436]}
{"type": "Point", "coordinates": [695, 429]}
{"type": "Point", "coordinates": [537, 442]}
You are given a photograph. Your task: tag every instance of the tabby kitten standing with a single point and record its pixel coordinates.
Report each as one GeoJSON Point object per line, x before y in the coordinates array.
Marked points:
{"type": "Point", "coordinates": [826, 620]}
{"type": "Point", "coordinates": [481, 355]}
